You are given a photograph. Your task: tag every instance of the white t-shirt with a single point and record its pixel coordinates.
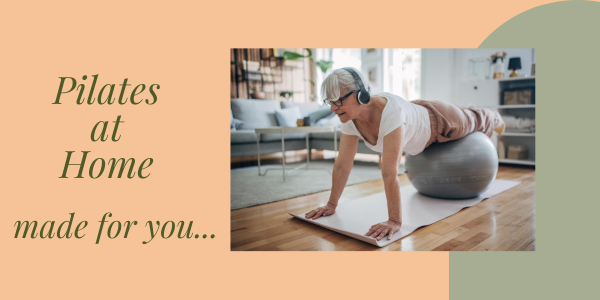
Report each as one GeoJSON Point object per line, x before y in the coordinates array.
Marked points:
{"type": "Point", "coordinates": [414, 119]}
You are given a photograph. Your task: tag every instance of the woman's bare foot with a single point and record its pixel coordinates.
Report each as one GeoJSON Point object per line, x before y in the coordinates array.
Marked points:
{"type": "Point", "coordinates": [499, 124]}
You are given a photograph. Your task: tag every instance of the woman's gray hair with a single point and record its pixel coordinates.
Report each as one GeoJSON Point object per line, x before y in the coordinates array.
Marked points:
{"type": "Point", "coordinates": [340, 79]}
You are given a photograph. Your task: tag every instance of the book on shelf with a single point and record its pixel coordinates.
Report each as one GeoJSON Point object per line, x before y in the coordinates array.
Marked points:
{"type": "Point", "coordinates": [267, 73]}
{"type": "Point", "coordinates": [250, 65]}
{"type": "Point", "coordinates": [254, 76]}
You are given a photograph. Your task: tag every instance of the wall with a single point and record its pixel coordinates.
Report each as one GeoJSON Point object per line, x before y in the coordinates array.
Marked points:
{"type": "Point", "coordinates": [437, 74]}
{"type": "Point", "coordinates": [443, 70]}
{"type": "Point", "coordinates": [462, 58]}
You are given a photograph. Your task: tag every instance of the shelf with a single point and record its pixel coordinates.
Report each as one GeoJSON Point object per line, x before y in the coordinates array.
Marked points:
{"type": "Point", "coordinates": [291, 67]}
{"type": "Point", "coordinates": [298, 92]}
{"type": "Point", "coordinates": [518, 137]}
{"type": "Point", "coordinates": [258, 80]}
{"type": "Point", "coordinates": [517, 161]}
{"type": "Point", "coordinates": [516, 106]}
{"type": "Point", "coordinates": [254, 76]}
{"type": "Point", "coordinates": [245, 79]}
{"type": "Point", "coordinates": [517, 134]}
{"type": "Point", "coordinates": [277, 58]}
{"type": "Point", "coordinates": [272, 58]}
{"type": "Point", "coordinates": [515, 78]}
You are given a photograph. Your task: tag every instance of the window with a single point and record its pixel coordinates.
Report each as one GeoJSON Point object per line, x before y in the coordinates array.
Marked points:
{"type": "Point", "coordinates": [341, 58]}
{"type": "Point", "coordinates": [405, 73]}
{"type": "Point", "coordinates": [396, 71]}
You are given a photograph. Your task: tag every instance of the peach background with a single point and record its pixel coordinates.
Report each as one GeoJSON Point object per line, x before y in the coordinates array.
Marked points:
{"type": "Point", "coordinates": [184, 48]}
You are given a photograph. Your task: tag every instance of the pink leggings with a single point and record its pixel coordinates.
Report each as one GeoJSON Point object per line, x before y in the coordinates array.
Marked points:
{"type": "Point", "coordinates": [450, 122]}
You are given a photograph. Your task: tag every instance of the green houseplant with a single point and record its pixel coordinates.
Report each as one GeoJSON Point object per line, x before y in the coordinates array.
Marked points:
{"type": "Point", "coordinates": [324, 65]}
{"type": "Point", "coordinates": [286, 94]}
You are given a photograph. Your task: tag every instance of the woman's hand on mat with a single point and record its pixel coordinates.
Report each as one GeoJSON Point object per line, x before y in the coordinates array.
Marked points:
{"type": "Point", "coordinates": [379, 231]}
{"type": "Point", "coordinates": [323, 211]}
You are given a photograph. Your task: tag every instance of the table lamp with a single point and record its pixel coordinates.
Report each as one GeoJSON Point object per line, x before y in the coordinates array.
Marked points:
{"type": "Point", "coordinates": [514, 64]}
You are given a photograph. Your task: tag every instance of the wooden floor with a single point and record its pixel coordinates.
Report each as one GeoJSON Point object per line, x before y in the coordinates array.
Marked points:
{"type": "Point", "coordinates": [505, 222]}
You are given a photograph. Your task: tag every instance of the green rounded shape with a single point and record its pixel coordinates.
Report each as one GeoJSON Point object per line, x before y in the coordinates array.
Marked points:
{"type": "Point", "coordinates": [565, 36]}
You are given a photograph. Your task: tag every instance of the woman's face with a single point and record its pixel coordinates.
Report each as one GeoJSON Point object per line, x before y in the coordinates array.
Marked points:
{"type": "Point", "coordinates": [347, 111]}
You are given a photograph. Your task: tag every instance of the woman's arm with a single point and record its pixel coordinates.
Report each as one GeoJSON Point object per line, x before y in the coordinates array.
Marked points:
{"type": "Point", "coordinates": [392, 151]}
{"type": "Point", "coordinates": [341, 171]}
{"type": "Point", "coordinates": [343, 166]}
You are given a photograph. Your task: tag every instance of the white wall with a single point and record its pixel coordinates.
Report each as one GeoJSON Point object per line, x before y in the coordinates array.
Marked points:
{"type": "Point", "coordinates": [437, 74]}
{"type": "Point", "coordinates": [463, 55]}
{"type": "Point", "coordinates": [443, 70]}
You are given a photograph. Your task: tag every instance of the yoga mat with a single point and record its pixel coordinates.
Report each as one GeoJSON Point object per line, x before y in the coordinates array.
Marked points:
{"type": "Point", "coordinates": [354, 218]}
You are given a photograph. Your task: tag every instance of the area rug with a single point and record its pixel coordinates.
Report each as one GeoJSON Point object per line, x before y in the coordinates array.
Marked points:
{"type": "Point", "coordinates": [250, 189]}
{"type": "Point", "coordinates": [354, 218]}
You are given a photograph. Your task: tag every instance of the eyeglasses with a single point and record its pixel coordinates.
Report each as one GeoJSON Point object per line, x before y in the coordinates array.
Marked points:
{"type": "Point", "coordinates": [329, 102]}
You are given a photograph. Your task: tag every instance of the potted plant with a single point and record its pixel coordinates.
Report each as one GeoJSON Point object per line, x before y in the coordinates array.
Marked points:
{"type": "Point", "coordinates": [286, 94]}
{"type": "Point", "coordinates": [498, 64]}
{"type": "Point", "coordinates": [256, 94]}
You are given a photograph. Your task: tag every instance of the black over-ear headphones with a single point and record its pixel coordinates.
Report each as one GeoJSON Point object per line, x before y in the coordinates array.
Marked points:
{"type": "Point", "coordinates": [363, 96]}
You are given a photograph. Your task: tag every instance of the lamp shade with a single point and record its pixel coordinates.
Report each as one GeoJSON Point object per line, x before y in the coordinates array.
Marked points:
{"type": "Point", "coordinates": [514, 63]}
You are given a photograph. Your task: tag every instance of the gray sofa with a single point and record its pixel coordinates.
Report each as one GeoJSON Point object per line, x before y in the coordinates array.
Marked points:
{"type": "Point", "coordinates": [260, 114]}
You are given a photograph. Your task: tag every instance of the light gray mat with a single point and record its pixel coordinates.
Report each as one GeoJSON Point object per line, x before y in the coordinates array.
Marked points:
{"type": "Point", "coordinates": [250, 189]}
{"type": "Point", "coordinates": [354, 218]}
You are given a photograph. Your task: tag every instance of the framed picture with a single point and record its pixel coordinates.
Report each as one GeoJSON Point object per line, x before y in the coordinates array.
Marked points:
{"type": "Point", "coordinates": [479, 68]}
{"type": "Point", "coordinates": [373, 75]}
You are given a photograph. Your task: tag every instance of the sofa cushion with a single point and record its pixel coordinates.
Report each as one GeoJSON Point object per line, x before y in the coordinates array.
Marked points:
{"type": "Point", "coordinates": [305, 108]}
{"type": "Point", "coordinates": [287, 117]}
{"type": "Point", "coordinates": [319, 114]}
{"type": "Point", "coordinates": [332, 120]}
{"type": "Point", "coordinates": [243, 136]}
{"type": "Point", "coordinates": [255, 113]}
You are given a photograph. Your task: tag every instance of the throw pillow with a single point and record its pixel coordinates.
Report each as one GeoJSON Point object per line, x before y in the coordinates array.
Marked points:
{"type": "Point", "coordinates": [235, 123]}
{"type": "Point", "coordinates": [287, 117]}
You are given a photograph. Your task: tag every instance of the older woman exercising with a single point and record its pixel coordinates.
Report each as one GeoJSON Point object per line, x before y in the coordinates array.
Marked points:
{"type": "Point", "coordinates": [390, 125]}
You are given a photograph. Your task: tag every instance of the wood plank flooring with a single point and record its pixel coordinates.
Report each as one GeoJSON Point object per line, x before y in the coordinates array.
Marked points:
{"type": "Point", "coordinates": [505, 222]}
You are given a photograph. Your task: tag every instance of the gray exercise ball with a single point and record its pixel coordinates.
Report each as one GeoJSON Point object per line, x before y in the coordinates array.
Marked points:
{"type": "Point", "coordinates": [459, 169]}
